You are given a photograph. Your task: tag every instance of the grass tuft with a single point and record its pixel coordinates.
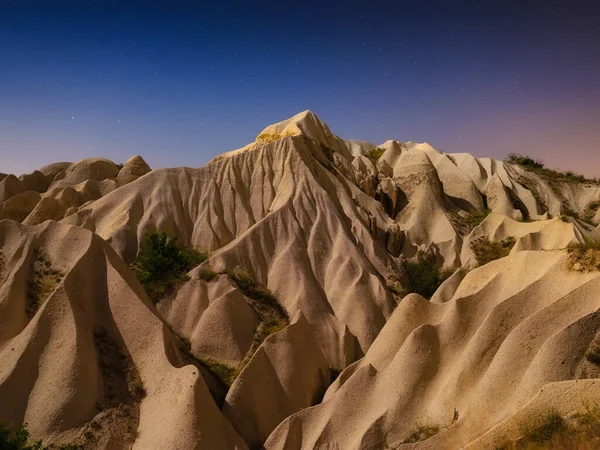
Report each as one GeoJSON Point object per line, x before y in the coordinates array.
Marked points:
{"type": "Point", "coordinates": [207, 274]}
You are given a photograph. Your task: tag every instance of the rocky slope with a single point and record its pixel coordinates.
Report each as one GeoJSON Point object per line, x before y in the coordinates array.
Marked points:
{"type": "Point", "coordinates": [329, 229]}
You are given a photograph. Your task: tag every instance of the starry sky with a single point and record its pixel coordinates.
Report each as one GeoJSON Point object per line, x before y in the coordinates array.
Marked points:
{"type": "Point", "coordinates": [181, 82]}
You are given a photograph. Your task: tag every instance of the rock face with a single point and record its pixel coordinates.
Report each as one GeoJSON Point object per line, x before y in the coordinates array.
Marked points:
{"type": "Point", "coordinates": [326, 229]}
{"type": "Point", "coordinates": [288, 373]}
{"type": "Point", "coordinates": [89, 348]}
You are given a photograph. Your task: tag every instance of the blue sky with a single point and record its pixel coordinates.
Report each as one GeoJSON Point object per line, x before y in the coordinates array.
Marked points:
{"type": "Point", "coordinates": [179, 83]}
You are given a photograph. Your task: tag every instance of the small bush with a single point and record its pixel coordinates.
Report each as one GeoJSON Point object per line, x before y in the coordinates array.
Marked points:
{"type": "Point", "coordinates": [543, 429]}
{"type": "Point", "coordinates": [17, 440]}
{"type": "Point", "coordinates": [593, 354]}
{"type": "Point", "coordinates": [451, 158]}
{"type": "Point", "coordinates": [424, 277]}
{"type": "Point", "coordinates": [207, 274]}
{"type": "Point", "coordinates": [421, 433]}
{"type": "Point", "coordinates": [375, 154]}
{"type": "Point", "coordinates": [487, 251]}
{"type": "Point", "coordinates": [162, 263]}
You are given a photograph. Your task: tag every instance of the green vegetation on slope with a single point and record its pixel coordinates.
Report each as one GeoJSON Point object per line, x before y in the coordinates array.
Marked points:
{"type": "Point", "coordinates": [375, 154]}
{"type": "Point", "coordinates": [464, 224]}
{"type": "Point", "coordinates": [43, 282]}
{"type": "Point", "coordinates": [584, 257]}
{"type": "Point", "coordinates": [424, 277]}
{"type": "Point", "coordinates": [553, 431]}
{"type": "Point", "coordinates": [271, 314]}
{"type": "Point", "coordinates": [537, 166]}
{"type": "Point", "coordinates": [162, 263]}
{"type": "Point", "coordinates": [487, 251]}
{"type": "Point", "coordinates": [17, 440]}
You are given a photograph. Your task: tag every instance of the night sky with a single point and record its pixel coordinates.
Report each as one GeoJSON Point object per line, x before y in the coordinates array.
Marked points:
{"type": "Point", "coordinates": [179, 83]}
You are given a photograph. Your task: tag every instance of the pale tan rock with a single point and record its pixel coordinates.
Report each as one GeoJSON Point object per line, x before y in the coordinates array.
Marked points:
{"type": "Point", "coordinates": [9, 187]}
{"type": "Point", "coordinates": [97, 169]}
{"type": "Point", "coordinates": [287, 374]}
{"type": "Point", "coordinates": [35, 181]}
{"type": "Point", "coordinates": [52, 375]}
{"type": "Point", "coordinates": [512, 329]}
{"type": "Point", "coordinates": [19, 206]}
{"type": "Point", "coordinates": [133, 168]}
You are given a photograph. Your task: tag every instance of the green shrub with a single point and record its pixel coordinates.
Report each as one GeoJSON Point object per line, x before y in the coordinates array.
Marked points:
{"type": "Point", "coordinates": [162, 263]}
{"type": "Point", "coordinates": [17, 440]}
{"type": "Point", "coordinates": [424, 277]}
{"type": "Point", "coordinates": [421, 433]}
{"type": "Point", "coordinates": [375, 154]}
{"type": "Point", "coordinates": [487, 251]}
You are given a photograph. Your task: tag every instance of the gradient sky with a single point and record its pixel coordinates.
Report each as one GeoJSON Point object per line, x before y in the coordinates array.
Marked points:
{"type": "Point", "coordinates": [179, 82]}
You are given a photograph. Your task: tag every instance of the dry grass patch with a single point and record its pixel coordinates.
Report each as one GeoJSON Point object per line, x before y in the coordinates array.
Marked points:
{"type": "Point", "coordinates": [590, 211]}
{"type": "Point", "coordinates": [487, 251]}
{"type": "Point", "coordinates": [464, 224]}
{"type": "Point", "coordinates": [421, 433]}
{"type": "Point", "coordinates": [123, 391]}
{"type": "Point", "coordinates": [267, 138]}
{"type": "Point", "coordinates": [537, 166]}
{"type": "Point", "coordinates": [271, 314]}
{"type": "Point", "coordinates": [551, 430]}
{"type": "Point", "coordinates": [584, 257]}
{"type": "Point", "coordinates": [43, 282]}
